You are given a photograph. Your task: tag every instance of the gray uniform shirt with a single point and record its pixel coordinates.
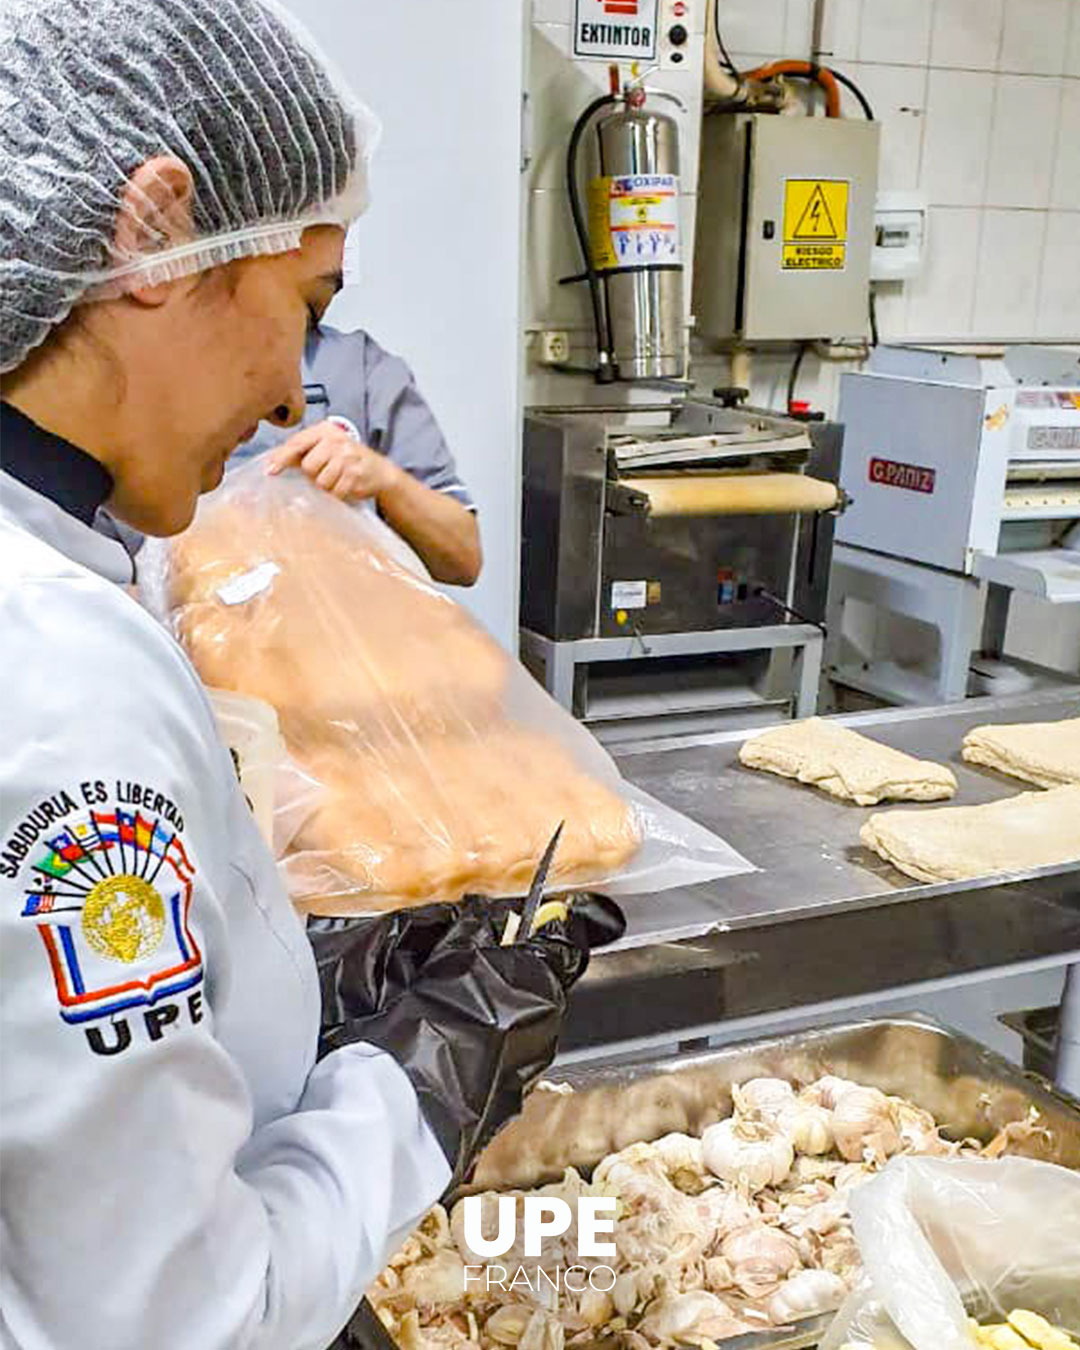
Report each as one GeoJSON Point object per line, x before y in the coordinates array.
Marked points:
{"type": "Point", "coordinates": [350, 375]}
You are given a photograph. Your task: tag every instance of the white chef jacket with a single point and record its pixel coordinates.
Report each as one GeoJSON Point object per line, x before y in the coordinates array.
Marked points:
{"type": "Point", "coordinates": [178, 1172]}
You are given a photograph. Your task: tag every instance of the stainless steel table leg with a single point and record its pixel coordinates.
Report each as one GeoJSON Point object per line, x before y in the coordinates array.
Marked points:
{"type": "Point", "coordinates": [995, 620]}
{"type": "Point", "coordinates": [1067, 1067]}
{"type": "Point", "coordinates": [560, 674]}
{"type": "Point", "coordinates": [807, 676]}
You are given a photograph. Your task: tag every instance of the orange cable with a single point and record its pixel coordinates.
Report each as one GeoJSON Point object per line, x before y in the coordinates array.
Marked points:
{"type": "Point", "coordinates": [822, 74]}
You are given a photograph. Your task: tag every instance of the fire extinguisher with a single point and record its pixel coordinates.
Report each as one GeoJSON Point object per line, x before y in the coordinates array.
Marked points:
{"type": "Point", "coordinates": [631, 240]}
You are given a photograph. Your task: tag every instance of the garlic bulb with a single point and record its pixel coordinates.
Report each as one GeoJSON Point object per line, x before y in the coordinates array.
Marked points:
{"type": "Point", "coordinates": [624, 1293]}
{"type": "Point", "coordinates": [759, 1257]}
{"type": "Point", "coordinates": [805, 1294]}
{"type": "Point", "coordinates": [438, 1279]}
{"type": "Point", "coordinates": [748, 1154]}
{"type": "Point", "coordinates": [596, 1307]}
{"type": "Point", "coordinates": [682, 1157]}
{"type": "Point", "coordinates": [809, 1127]}
{"type": "Point", "coordinates": [680, 1151]}
{"type": "Point", "coordinates": [764, 1097]}
{"type": "Point", "coordinates": [863, 1125]}
{"type": "Point", "coordinates": [507, 1324]}
{"type": "Point", "coordinates": [674, 1315]}
{"type": "Point", "coordinates": [820, 1218]}
{"type": "Point", "coordinates": [617, 1168]}
{"type": "Point", "coordinates": [826, 1091]}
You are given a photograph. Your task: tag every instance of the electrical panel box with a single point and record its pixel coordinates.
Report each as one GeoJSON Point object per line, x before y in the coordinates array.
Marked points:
{"type": "Point", "coordinates": [785, 226]}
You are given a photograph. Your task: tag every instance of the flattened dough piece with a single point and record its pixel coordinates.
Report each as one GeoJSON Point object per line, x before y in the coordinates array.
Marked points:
{"type": "Point", "coordinates": [953, 843]}
{"type": "Point", "coordinates": [848, 765]}
{"type": "Point", "coordinates": [1044, 753]}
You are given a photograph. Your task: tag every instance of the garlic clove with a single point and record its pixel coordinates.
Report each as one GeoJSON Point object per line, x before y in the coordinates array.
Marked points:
{"type": "Point", "coordinates": [807, 1293]}
{"type": "Point", "coordinates": [437, 1279]}
{"type": "Point", "coordinates": [674, 1315]}
{"type": "Point", "coordinates": [596, 1307]}
{"type": "Point", "coordinates": [718, 1274]}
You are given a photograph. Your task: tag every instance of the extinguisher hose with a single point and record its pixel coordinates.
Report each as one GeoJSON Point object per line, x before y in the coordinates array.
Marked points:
{"type": "Point", "coordinates": [605, 372]}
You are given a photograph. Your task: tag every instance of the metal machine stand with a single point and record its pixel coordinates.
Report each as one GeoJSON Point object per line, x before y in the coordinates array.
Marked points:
{"type": "Point", "coordinates": [1067, 1068]}
{"type": "Point", "coordinates": [949, 603]}
{"type": "Point", "coordinates": [561, 660]}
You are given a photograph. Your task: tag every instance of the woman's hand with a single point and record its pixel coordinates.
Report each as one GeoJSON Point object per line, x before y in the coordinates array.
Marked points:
{"type": "Point", "coordinates": [339, 465]}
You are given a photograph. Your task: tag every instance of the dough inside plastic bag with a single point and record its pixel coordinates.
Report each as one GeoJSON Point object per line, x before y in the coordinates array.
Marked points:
{"type": "Point", "coordinates": [445, 769]}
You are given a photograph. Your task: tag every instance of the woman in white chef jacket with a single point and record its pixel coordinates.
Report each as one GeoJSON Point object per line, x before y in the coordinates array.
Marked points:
{"type": "Point", "coordinates": [178, 1171]}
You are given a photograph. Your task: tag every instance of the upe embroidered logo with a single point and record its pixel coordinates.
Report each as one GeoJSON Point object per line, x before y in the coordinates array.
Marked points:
{"type": "Point", "coordinates": [110, 892]}
{"type": "Point", "coordinates": [542, 1217]}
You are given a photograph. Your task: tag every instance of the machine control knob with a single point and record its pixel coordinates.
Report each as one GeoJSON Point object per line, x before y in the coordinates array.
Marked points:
{"type": "Point", "coordinates": [677, 35]}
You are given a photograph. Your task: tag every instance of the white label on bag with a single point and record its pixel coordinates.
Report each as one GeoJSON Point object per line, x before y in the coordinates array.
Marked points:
{"type": "Point", "coordinates": [629, 594]}
{"type": "Point", "coordinates": [238, 590]}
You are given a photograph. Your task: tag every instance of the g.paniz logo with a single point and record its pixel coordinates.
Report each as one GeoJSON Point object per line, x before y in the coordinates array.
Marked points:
{"type": "Point", "coordinates": [542, 1218]}
{"type": "Point", "coordinates": [913, 477]}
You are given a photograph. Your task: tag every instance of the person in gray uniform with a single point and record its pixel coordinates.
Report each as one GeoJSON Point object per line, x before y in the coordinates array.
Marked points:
{"type": "Point", "coordinates": [401, 460]}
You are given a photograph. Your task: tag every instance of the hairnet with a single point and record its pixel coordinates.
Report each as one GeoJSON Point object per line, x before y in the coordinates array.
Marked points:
{"type": "Point", "coordinates": [90, 90]}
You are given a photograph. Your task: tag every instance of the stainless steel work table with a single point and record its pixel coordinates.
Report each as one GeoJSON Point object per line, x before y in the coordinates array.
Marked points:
{"type": "Point", "coordinates": [823, 922]}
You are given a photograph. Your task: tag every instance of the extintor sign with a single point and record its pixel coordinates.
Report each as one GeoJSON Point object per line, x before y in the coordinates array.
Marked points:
{"type": "Point", "coordinates": [607, 29]}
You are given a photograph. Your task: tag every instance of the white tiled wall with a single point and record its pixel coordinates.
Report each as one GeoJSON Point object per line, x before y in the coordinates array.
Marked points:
{"type": "Point", "coordinates": [979, 102]}
{"type": "Point", "coordinates": [980, 108]}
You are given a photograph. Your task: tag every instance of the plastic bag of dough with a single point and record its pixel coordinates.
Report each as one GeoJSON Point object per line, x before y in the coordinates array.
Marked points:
{"type": "Point", "coordinates": [444, 767]}
{"type": "Point", "coordinates": [280, 795]}
{"type": "Point", "coordinates": [945, 1238]}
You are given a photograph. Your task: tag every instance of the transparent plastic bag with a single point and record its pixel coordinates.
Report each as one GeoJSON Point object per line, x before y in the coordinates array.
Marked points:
{"type": "Point", "coordinates": [941, 1239]}
{"type": "Point", "coordinates": [445, 768]}
{"type": "Point", "coordinates": [281, 796]}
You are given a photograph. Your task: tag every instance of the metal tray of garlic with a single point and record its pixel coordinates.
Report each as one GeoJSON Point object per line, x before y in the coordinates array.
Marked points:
{"type": "Point", "coordinates": [731, 1168]}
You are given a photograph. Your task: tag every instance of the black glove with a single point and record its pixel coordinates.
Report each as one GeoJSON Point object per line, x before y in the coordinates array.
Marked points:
{"type": "Point", "coordinates": [472, 1023]}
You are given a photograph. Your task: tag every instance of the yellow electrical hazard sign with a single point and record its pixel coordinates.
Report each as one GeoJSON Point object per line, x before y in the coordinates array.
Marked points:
{"type": "Point", "coordinates": [815, 224]}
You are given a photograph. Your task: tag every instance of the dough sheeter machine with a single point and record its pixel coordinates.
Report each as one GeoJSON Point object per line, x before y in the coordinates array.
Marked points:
{"type": "Point", "coordinates": [675, 561]}
{"type": "Point", "coordinates": [825, 925]}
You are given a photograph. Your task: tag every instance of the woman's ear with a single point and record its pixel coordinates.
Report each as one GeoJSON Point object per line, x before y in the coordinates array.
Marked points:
{"type": "Point", "coordinates": [155, 214]}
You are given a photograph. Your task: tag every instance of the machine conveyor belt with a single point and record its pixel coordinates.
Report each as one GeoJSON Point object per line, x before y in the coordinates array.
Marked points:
{"type": "Point", "coordinates": [805, 842]}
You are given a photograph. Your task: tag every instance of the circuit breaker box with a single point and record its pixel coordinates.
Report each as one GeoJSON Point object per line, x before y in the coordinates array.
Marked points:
{"type": "Point", "coordinates": [785, 226]}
